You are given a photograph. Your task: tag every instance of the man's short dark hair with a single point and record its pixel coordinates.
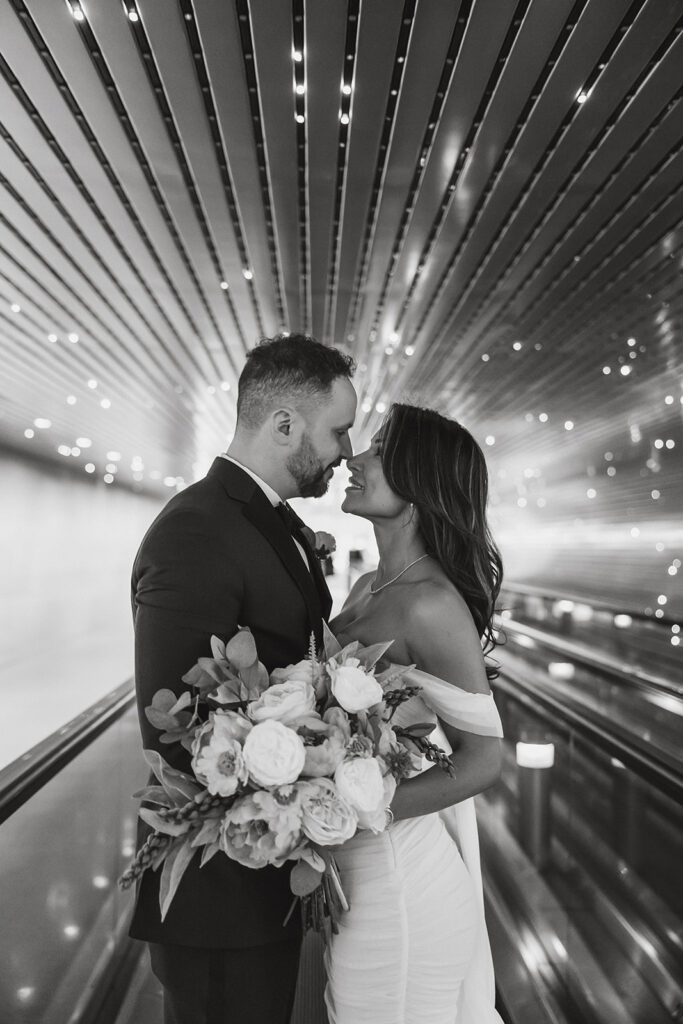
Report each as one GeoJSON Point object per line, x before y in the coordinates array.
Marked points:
{"type": "Point", "coordinates": [288, 367]}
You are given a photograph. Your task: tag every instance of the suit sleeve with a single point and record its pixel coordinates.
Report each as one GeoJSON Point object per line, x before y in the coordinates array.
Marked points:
{"type": "Point", "coordinates": [186, 587]}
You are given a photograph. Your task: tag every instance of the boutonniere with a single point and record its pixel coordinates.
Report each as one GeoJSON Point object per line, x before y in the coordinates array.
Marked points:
{"type": "Point", "coordinates": [323, 543]}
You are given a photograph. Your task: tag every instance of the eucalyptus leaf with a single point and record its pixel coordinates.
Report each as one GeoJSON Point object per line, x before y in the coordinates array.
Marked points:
{"type": "Point", "coordinates": [228, 692]}
{"type": "Point", "coordinates": [350, 651]}
{"type": "Point", "coordinates": [373, 722]}
{"type": "Point", "coordinates": [331, 645]}
{"type": "Point", "coordinates": [216, 669]}
{"type": "Point", "coordinates": [200, 680]}
{"type": "Point", "coordinates": [240, 650]}
{"type": "Point", "coordinates": [175, 866]}
{"type": "Point", "coordinates": [208, 852]}
{"type": "Point", "coordinates": [420, 729]}
{"type": "Point", "coordinates": [177, 784]}
{"type": "Point", "coordinates": [209, 832]}
{"type": "Point", "coordinates": [160, 855]}
{"type": "Point", "coordinates": [256, 680]}
{"type": "Point", "coordinates": [164, 699]}
{"type": "Point", "coordinates": [154, 795]}
{"type": "Point", "coordinates": [173, 736]}
{"type": "Point", "coordinates": [183, 701]}
{"type": "Point", "coordinates": [304, 879]}
{"type": "Point", "coordinates": [217, 648]}
{"type": "Point", "coordinates": [371, 655]}
{"type": "Point", "coordinates": [160, 719]}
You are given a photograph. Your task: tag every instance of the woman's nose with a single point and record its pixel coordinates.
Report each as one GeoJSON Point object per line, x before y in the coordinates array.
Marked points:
{"type": "Point", "coordinates": [355, 461]}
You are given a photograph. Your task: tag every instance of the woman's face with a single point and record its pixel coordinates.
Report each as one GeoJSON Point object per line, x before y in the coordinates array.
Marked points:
{"type": "Point", "coordinates": [368, 493]}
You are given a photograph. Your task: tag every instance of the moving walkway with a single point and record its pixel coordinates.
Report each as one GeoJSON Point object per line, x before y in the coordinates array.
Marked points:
{"type": "Point", "coordinates": [581, 858]}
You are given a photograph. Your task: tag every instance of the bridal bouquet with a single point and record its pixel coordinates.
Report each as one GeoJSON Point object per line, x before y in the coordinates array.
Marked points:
{"type": "Point", "coordinates": [284, 766]}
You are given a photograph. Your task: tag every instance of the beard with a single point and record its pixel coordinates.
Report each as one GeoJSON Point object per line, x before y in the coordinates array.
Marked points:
{"type": "Point", "coordinates": [307, 470]}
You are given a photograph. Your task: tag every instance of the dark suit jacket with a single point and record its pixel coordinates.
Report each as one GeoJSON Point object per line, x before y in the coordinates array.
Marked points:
{"type": "Point", "coordinates": [216, 557]}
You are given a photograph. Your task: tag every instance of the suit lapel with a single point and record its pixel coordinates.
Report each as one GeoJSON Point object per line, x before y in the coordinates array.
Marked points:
{"type": "Point", "coordinates": [262, 515]}
{"type": "Point", "coordinates": [318, 578]}
{"type": "Point", "coordinates": [259, 512]}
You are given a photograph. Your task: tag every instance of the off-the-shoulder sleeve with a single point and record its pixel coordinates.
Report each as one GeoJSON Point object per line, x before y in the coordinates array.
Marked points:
{"type": "Point", "coordinates": [470, 712]}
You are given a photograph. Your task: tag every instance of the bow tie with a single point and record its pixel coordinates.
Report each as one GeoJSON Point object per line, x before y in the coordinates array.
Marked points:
{"type": "Point", "coordinates": [294, 524]}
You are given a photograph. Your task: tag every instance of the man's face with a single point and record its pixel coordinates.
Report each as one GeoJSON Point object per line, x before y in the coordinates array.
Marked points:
{"type": "Point", "coordinates": [325, 441]}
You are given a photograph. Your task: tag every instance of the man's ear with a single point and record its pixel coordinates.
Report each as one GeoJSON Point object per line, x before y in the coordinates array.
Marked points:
{"type": "Point", "coordinates": [285, 427]}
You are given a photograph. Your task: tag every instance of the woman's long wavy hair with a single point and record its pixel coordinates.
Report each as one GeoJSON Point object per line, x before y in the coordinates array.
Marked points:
{"type": "Point", "coordinates": [437, 465]}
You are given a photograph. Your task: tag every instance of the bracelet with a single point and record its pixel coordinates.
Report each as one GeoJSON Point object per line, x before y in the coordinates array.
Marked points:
{"type": "Point", "coordinates": [389, 817]}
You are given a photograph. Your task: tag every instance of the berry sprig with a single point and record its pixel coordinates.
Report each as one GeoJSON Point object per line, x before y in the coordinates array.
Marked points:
{"type": "Point", "coordinates": [153, 845]}
{"type": "Point", "coordinates": [394, 698]}
{"type": "Point", "coordinates": [435, 754]}
{"type": "Point", "coordinates": [195, 810]}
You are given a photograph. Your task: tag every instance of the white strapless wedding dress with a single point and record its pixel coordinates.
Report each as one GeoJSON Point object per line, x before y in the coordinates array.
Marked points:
{"type": "Point", "coordinates": [413, 948]}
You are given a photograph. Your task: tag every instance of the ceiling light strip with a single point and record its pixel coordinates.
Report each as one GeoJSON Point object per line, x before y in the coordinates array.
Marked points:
{"type": "Point", "coordinates": [244, 23]}
{"type": "Point", "coordinates": [559, 310]}
{"type": "Point", "coordinates": [115, 368]}
{"type": "Point", "coordinates": [206, 92]}
{"type": "Point", "coordinates": [169, 357]}
{"type": "Point", "coordinates": [345, 113]}
{"type": "Point", "coordinates": [301, 121]}
{"type": "Point", "coordinates": [596, 142]}
{"type": "Point", "coordinates": [40, 46]}
{"type": "Point", "coordinates": [497, 170]}
{"type": "Point", "coordinates": [636, 277]}
{"type": "Point", "coordinates": [444, 327]}
{"type": "Point", "coordinates": [158, 92]}
{"type": "Point", "coordinates": [388, 125]}
{"type": "Point", "coordinates": [576, 261]}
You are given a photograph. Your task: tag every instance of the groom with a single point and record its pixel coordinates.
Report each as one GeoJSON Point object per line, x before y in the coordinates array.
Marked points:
{"type": "Point", "coordinates": [224, 552]}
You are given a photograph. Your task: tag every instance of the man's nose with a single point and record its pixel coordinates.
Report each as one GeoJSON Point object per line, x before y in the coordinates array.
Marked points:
{"type": "Point", "coordinates": [347, 450]}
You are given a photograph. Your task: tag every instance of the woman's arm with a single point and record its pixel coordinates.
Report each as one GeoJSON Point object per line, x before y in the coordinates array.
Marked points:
{"type": "Point", "coordinates": [442, 640]}
{"type": "Point", "coordinates": [477, 763]}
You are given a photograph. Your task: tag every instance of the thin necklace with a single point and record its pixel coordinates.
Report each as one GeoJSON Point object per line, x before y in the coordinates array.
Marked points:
{"type": "Point", "coordinates": [394, 578]}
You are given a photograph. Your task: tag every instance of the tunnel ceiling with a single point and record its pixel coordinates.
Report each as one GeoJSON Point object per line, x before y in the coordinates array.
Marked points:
{"type": "Point", "coordinates": [481, 201]}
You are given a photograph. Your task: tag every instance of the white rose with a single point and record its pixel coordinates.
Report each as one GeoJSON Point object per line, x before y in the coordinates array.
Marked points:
{"type": "Point", "coordinates": [274, 755]}
{"type": "Point", "coordinates": [284, 701]}
{"type": "Point", "coordinates": [324, 756]}
{"type": "Point", "coordinates": [355, 689]}
{"type": "Point", "coordinates": [359, 781]}
{"type": "Point", "coordinates": [303, 670]}
{"type": "Point", "coordinates": [217, 752]}
{"type": "Point", "coordinates": [327, 818]}
{"type": "Point", "coordinates": [263, 827]}
{"type": "Point", "coordinates": [376, 820]}
{"type": "Point", "coordinates": [220, 766]}
{"type": "Point", "coordinates": [338, 718]}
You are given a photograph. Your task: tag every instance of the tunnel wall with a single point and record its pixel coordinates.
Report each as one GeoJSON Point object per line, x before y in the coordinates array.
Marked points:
{"type": "Point", "coordinates": [67, 543]}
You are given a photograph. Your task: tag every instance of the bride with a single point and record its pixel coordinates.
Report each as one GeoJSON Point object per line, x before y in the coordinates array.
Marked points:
{"type": "Point", "coordinates": [413, 948]}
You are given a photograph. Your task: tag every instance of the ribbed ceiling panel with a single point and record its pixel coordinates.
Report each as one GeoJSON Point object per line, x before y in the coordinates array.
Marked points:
{"type": "Point", "coordinates": [481, 201]}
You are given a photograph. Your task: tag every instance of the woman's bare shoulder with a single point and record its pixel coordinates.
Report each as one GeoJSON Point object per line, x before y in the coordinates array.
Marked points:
{"type": "Point", "coordinates": [441, 635]}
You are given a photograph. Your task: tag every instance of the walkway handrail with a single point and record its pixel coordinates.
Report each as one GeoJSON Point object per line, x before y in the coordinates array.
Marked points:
{"type": "Point", "coordinates": [30, 772]}
{"type": "Point", "coordinates": [593, 731]}
{"type": "Point", "coordinates": [585, 655]}
{"type": "Point", "coordinates": [594, 602]}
